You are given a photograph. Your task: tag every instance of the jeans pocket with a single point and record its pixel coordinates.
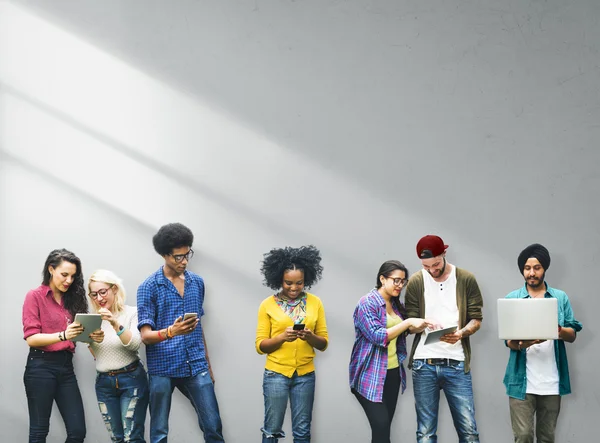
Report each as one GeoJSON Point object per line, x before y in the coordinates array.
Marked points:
{"type": "Point", "coordinates": [269, 373]}
{"type": "Point", "coordinates": [417, 364]}
{"type": "Point", "coordinates": [459, 366]}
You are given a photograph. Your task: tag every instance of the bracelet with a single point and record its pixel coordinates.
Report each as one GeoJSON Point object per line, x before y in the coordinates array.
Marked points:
{"type": "Point", "coordinates": [61, 336]}
{"type": "Point", "coordinates": [160, 335]}
{"type": "Point", "coordinates": [169, 334]}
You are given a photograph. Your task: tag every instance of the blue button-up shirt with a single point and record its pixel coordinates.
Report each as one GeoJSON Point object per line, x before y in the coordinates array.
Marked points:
{"type": "Point", "coordinates": [515, 378]}
{"type": "Point", "coordinates": [159, 304]}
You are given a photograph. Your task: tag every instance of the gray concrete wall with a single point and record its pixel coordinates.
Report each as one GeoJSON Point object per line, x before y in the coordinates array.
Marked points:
{"type": "Point", "coordinates": [356, 126]}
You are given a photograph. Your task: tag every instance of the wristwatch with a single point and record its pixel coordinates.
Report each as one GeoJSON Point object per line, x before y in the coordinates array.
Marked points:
{"type": "Point", "coordinates": [121, 330]}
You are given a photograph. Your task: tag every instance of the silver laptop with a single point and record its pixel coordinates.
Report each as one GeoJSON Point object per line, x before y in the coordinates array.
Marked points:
{"type": "Point", "coordinates": [528, 318]}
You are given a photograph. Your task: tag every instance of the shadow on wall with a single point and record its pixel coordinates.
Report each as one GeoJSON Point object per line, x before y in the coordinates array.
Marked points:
{"type": "Point", "coordinates": [440, 122]}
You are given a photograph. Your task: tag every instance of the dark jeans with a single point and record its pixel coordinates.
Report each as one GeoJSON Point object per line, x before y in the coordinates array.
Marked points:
{"type": "Point", "coordinates": [49, 377]}
{"type": "Point", "coordinates": [380, 415]}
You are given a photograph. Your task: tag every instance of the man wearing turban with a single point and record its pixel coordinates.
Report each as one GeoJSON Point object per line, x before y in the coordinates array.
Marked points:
{"type": "Point", "coordinates": [537, 374]}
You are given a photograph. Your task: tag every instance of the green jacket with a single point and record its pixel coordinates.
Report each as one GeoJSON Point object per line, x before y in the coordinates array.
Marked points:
{"type": "Point", "coordinates": [468, 300]}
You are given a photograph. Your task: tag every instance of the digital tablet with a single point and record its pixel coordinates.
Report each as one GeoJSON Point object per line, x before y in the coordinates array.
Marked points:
{"type": "Point", "coordinates": [434, 336]}
{"type": "Point", "coordinates": [90, 323]}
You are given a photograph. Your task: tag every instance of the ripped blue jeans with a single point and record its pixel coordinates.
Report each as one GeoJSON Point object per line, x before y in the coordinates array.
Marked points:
{"type": "Point", "coordinates": [123, 401]}
{"type": "Point", "coordinates": [277, 390]}
{"type": "Point", "coordinates": [428, 381]}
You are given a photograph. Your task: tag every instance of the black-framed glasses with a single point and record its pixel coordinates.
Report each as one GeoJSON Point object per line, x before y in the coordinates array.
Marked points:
{"type": "Point", "coordinates": [101, 292]}
{"type": "Point", "coordinates": [179, 257]}
{"type": "Point", "coordinates": [398, 281]}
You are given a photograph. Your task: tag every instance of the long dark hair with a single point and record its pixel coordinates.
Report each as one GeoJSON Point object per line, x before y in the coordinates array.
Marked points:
{"type": "Point", "coordinates": [386, 269]}
{"type": "Point", "coordinates": [74, 299]}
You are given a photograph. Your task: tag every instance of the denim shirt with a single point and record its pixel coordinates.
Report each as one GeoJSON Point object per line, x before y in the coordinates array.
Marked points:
{"type": "Point", "coordinates": [515, 378]}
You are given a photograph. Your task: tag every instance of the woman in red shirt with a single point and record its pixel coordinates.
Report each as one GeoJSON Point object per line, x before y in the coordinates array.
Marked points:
{"type": "Point", "coordinates": [48, 328]}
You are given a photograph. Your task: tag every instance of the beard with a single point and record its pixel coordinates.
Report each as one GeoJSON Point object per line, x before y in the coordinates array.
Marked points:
{"type": "Point", "coordinates": [535, 283]}
{"type": "Point", "coordinates": [441, 270]}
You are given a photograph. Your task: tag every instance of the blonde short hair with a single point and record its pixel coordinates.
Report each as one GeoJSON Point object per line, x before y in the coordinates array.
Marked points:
{"type": "Point", "coordinates": [110, 278]}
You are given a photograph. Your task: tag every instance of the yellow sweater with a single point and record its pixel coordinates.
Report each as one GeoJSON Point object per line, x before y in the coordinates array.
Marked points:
{"type": "Point", "coordinates": [291, 356]}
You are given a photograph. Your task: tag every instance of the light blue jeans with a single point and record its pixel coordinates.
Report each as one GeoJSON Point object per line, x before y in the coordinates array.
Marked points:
{"type": "Point", "coordinates": [300, 390]}
{"type": "Point", "coordinates": [123, 401]}
{"type": "Point", "coordinates": [428, 380]}
{"type": "Point", "coordinates": [199, 390]}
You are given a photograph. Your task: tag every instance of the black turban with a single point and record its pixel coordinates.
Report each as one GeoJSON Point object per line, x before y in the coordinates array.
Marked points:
{"type": "Point", "coordinates": [534, 251]}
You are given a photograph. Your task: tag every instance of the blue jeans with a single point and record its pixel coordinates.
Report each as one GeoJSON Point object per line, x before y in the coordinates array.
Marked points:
{"type": "Point", "coordinates": [123, 400]}
{"type": "Point", "coordinates": [428, 380]}
{"type": "Point", "coordinates": [199, 390]}
{"type": "Point", "coordinates": [277, 388]}
{"type": "Point", "coordinates": [49, 377]}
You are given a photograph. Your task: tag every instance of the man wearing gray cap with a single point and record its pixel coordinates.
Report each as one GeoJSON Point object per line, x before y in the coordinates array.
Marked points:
{"type": "Point", "coordinates": [537, 374]}
{"type": "Point", "coordinates": [447, 296]}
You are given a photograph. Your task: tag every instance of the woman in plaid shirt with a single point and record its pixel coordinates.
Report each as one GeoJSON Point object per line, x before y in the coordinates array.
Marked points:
{"type": "Point", "coordinates": [381, 326]}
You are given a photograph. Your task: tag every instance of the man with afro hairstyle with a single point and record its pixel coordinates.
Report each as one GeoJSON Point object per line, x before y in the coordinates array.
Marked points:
{"type": "Point", "coordinates": [175, 346]}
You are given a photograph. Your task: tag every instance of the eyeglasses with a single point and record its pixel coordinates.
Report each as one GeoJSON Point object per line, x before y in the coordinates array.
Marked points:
{"type": "Point", "coordinates": [179, 257]}
{"type": "Point", "coordinates": [101, 292]}
{"type": "Point", "coordinates": [398, 281]}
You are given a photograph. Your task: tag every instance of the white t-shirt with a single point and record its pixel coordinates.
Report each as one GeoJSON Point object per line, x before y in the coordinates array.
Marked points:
{"type": "Point", "coordinates": [542, 371]}
{"type": "Point", "coordinates": [440, 305]}
{"type": "Point", "coordinates": [112, 354]}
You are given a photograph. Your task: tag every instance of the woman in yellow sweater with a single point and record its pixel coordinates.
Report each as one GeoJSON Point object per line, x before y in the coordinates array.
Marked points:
{"type": "Point", "coordinates": [291, 324]}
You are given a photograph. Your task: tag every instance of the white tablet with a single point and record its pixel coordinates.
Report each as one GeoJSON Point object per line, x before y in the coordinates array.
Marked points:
{"type": "Point", "coordinates": [434, 336]}
{"type": "Point", "coordinates": [90, 323]}
{"type": "Point", "coordinates": [528, 318]}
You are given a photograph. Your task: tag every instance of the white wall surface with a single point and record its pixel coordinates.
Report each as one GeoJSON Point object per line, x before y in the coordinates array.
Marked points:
{"type": "Point", "coordinates": [357, 126]}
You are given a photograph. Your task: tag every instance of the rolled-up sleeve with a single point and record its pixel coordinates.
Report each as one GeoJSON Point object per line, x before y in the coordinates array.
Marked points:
{"type": "Point", "coordinates": [569, 317]}
{"type": "Point", "coordinates": [367, 319]}
{"type": "Point", "coordinates": [146, 306]}
{"type": "Point", "coordinates": [474, 300]}
{"type": "Point", "coordinates": [32, 323]}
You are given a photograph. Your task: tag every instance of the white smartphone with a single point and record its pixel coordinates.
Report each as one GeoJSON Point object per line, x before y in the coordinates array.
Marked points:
{"type": "Point", "coordinates": [189, 315]}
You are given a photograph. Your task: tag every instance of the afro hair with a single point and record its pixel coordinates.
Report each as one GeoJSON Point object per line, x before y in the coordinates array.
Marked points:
{"type": "Point", "coordinates": [305, 258]}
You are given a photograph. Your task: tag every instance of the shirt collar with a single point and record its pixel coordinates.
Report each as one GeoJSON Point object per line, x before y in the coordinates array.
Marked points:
{"type": "Point", "coordinates": [380, 300]}
{"type": "Point", "coordinates": [162, 280]}
{"type": "Point", "coordinates": [547, 294]}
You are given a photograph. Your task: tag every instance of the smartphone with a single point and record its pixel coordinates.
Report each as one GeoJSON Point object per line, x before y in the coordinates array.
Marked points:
{"type": "Point", "coordinates": [299, 327]}
{"type": "Point", "coordinates": [189, 315]}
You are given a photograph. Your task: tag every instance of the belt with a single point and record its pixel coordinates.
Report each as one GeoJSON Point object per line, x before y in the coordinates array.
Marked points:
{"type": "Point", "coordinates": [441, 361]}
{"type": "Point", "coordinates": [129, 368]}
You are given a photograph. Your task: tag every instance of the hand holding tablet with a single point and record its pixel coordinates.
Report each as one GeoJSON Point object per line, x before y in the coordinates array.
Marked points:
{"type": "Point", "coordinates": [436, 335]}
{"type": "Point", "coordinates": [90, 323]}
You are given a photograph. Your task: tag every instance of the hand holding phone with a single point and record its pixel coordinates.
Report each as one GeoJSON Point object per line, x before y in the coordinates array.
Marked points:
{"type": "Point", "coordinates": [189, 315]}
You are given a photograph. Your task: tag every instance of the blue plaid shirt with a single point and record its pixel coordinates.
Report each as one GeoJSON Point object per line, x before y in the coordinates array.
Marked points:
{"type": "Point", "coordinates": [159, 304]}
{"type": "Point", "coordinates": [369, 359]}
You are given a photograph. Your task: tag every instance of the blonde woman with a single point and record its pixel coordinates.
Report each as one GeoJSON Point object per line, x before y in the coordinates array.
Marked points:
{"type": "Point", "coordinates": [121, 382]}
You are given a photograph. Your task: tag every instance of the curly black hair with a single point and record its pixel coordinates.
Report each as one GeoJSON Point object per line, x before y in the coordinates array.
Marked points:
{"type": "Point", "coordinates": [74, 299]}
{"type": "Point", "coordinates": [386, 269]}
{"type": "Point", "coordinates": [305, 258]}
{"type": "Point", "coordinates": [172, 236]}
